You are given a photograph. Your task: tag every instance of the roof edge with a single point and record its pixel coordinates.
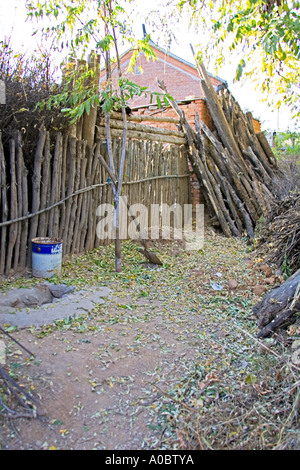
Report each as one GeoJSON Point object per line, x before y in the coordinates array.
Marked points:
{"type": "Point", "coordinates": [186, 62]}
{"type": "Point", "coordinates": [174, 56]}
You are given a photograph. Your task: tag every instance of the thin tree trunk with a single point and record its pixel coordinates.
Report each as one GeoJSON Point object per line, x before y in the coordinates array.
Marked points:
{"type": "Point", "coordinates": [149, 255]}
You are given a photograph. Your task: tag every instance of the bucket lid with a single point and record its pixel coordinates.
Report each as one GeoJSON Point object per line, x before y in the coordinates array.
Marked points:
{"type": "Point", "coordinates": [46, 240]}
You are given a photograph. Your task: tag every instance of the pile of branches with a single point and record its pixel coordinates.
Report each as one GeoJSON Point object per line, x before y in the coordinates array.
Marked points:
{"type": "Point", "coordinates": [234, 165]}
{"type": "Point", "coordinates": [13, 392]}
{"type": "Point", "coordinates": [278, 241]}
{"type": "Point", "coordinates": [278, 244]}
{"type": "Point", "coordinates": [28, 81]}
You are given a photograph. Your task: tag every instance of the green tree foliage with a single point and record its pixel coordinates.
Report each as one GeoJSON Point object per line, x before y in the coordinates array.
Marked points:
{"type": "Point", "coordinates": [287, 143]}
{"type": "Point", "coordinates": [74, 28]}
{"type": "Point", "coordinates": [265, 35]}
{"type": "Point", "coordinates": [79, 26]}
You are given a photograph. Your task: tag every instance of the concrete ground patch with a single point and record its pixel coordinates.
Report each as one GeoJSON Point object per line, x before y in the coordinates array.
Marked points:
{"type": "Point", "coordinates": [74, 304]}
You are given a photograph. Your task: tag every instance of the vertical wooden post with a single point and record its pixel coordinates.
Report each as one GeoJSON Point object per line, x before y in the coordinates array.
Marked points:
{"type": "Point", "coordinates": [36, 188]}
{"type": "Point", "coordinates": [4, 207]}
{"type": "Point", "coordinates": [44, 189]}
{"type": "Point", "coordinates": [13, 228]}
{"type": "Point", "coordinates": [89, 120]}
{"type": "Point", "coordinates": [25, 224]}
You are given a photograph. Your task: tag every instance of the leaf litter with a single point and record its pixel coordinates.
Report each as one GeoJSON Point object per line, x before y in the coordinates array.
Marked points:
{"type": "Point", "coordinates": [168, 362]}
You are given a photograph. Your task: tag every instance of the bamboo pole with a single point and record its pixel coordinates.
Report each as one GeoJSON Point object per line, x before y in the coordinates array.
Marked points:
{"type": "Point", "coordinates": [92, 208]}
{"type": "Point", "coordinates": [55, 186]}
{"type": "Point", "coordinates": [63, 186]}
{"type": "Point", "coordinates": [25, 223]}
{"type": "Point", "coordinates": [87, 201]}
{"type": "Point", "coordinates": [13, 229]}
{"type": "Point", "coordinates": [139, 118]}
{"type": "Point", "coordinates": [4, 211]}
{"type": "Point", "coordinates": [70, 190]}
{"type": "Point", "coordinates": [267, 149]}
{"type": "Point", "coordinates": [95, 203]}
{"type": "Point", "coordinates": [141, 135]}
{"type": "Point", "coordinates": [82, 213]}
{"type": "Point", "coordinates": [36, 187]}
{"type": "Point", "coordinates": [45, 186]}
{"type": "Point", "coordinates": [20, 195]}
{"type": "Point", "coordinates": [116, 124]}
{"type": "Point", "coordinates": [77, 170]}
{"type": "Point", "coordinates": [78, 226]}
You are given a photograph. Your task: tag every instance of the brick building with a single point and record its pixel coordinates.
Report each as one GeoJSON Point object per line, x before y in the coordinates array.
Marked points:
{"type": "Point", "coordinates": [183, 84]}
{"type": "Point", "coordinates": [180, 77]}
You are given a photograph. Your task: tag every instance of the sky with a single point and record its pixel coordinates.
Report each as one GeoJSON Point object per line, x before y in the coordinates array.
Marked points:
{"type": "Point", "coordinates": [12, 23]}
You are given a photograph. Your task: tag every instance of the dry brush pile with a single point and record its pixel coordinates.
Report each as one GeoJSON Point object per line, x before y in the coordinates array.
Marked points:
{"type": "Point", "coordinates": [278, 241]}
{"type": "Point", "coordinates": [278, 245]}
{"type": "Point", "coordinates": [28, 81]}
{"type": "Point", "coordinates": [236, 168]}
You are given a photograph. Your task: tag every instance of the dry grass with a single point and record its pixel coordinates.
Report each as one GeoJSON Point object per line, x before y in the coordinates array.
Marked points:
{"type": "Point", "coordinates": [222, 389]}
{"type": "Point", "coordinates": [254, 414]}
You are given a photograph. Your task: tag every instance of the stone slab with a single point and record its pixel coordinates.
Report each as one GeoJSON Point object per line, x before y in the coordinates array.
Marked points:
{"type": "Point", "coordinates": [70, 305]}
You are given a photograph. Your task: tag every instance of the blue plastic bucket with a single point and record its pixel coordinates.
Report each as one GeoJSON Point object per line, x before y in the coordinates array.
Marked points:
{"type": "Point", "coordinates": [46, 256]}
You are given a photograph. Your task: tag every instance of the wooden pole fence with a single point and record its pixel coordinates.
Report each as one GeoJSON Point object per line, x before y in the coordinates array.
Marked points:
{"type": "Point", "coordinates": [68, 183]}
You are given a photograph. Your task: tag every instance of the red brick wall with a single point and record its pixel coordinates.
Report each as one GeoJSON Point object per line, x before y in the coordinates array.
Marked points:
{"type": "Point", "coordinates": [181, 79]}
{"type": "Point", "coordinates": [189, 108]}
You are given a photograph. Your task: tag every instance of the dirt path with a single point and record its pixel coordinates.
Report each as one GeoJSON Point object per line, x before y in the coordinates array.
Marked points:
{"type": "Point", "coordinates": [96, 386]}
{"type": "Point", "coordinates": [96, 389]}
{"type": "Point", "coordinates": [165, 343]}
